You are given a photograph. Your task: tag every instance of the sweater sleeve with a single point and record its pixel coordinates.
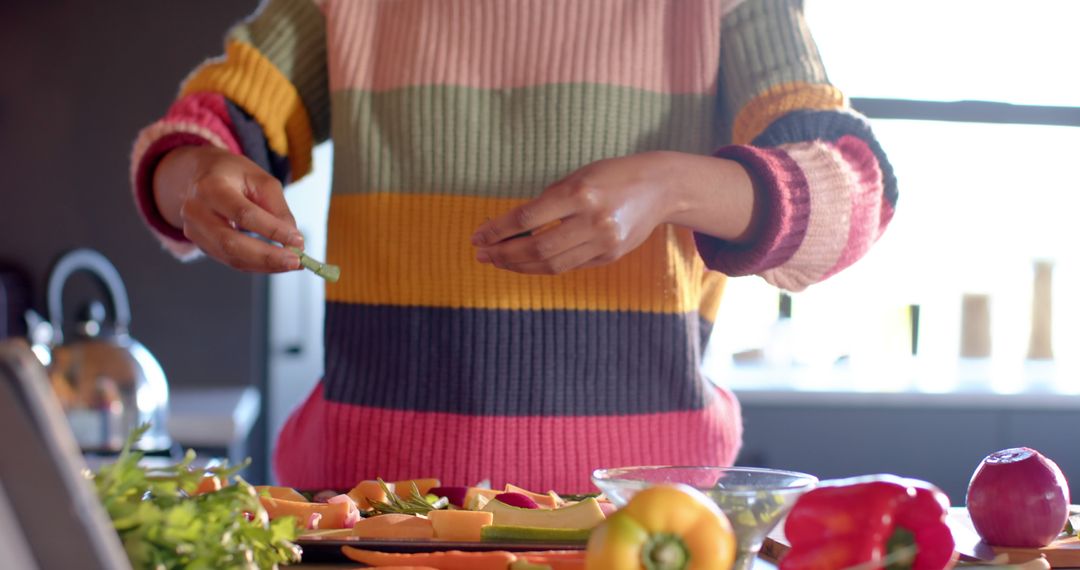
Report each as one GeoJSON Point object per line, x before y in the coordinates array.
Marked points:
{"type": "Point", "coordinates": [266, 97]}
{"type": "Point", "coordinates": [827, 189]}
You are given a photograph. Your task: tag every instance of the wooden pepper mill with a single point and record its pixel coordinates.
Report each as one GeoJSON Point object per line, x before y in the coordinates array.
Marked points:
{"type": "Point", "coordinates": [1040, 346]}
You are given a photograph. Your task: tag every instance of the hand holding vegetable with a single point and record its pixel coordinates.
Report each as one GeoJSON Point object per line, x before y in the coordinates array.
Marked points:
{"type": "Point", "coordinates": [870, 522]}
{"type": "Point", "coordinates": [214, 196]}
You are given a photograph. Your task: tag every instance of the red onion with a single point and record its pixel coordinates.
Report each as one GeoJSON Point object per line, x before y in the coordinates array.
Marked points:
{"type": "Point", "coordinates": [456, 495]}
{"type": "Point", "coordinates": [517, 500]}
{"type": "Point", "coordinates": [1018, 497]}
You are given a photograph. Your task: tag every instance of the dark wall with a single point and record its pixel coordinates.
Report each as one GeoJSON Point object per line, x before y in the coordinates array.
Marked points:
{"type": "Point", "coordinates": [79, 79]}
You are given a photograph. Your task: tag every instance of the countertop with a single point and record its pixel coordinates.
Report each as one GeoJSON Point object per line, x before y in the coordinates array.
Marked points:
{"type": "Point", "coordinates": [957, 384]}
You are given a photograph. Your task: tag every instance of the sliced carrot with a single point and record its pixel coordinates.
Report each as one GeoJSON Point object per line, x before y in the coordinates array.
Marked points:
{"type": "Point", "coordinates": [546, 501]}
{"type": "Point", "coordinates": [394, 525]}
{"type": "Point", "coordinates": [333, 514]}
{"type": "Point", "coordinates": [208, 484]}
{"type": "Point", "coordinates": [286, 493]}
{"type": "Point", "coordinates": [556, 559]}
{"type": "Point", "coordinates": [443, 560]}
{"type": "Point", "coordinates": [365, 490]}
{"type": "Point", "coordinates": [403, 489]}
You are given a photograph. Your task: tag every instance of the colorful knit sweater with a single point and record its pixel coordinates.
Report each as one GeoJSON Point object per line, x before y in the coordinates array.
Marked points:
{"type": "Point", "coordinates": [444, 113]}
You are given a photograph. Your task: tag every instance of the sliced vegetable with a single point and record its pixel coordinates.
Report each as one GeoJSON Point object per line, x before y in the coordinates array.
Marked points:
{"type": "Point", "coordinates": [549, 500]}
{"type": "Point", "coordinates": [443, 560]}
{"type": "Point", "coordinates": [403, 489]}
{"type": "Point", "coordinates": [666, 527]}
{"type": "Point", "coordinates": [555, 559]}
{"type": "Point", "coordinates": [517, 500]}
{"type": "Point", "coordinates": [477, 497]}
{"type": "Point", "coordinates": [538, 534]}
{"type": "Point", "coordinates": [208, 484]}
{"type": "Point", "coordinates": [366, 491]}
{"type": "Point", "coordinates": [287, 493]}
{"type": "Point", "coordinates": [870, 522]}
{"type": "Point", "coordinates": [394, 526]}
{"type": "Point", "coordinates": [329, 272]}
{"type": "Point", "coordinates": [456, 495]}
{"type": "Point", "coordinates": [459, 524]}
{"type": "Point", "coordinates": [586, 514]}
{"type": "Point", "coordinates": [333, 515]}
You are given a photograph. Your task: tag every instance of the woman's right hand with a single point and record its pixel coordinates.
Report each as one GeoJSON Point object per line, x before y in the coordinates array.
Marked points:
{"type": "Point", "coordinates": [214, 196]}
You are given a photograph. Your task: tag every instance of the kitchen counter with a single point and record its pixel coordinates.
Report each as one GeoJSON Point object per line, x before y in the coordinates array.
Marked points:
{"type": "Point", "coordinates": [911, 383]}
{"type": "Point", "coordinates": [930, 420]}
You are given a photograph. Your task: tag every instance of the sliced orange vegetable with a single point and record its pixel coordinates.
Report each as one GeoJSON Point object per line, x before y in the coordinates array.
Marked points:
{"type": "Point", "coordinates": [365, 490]}
{"type": "Point", "coordinates": [333, 514]}
{"type": "Point", "coordinates": [286, 493]}
{"type": "Point", "coordinates": [476, 498]}
{"type": "Point", "coordinates": [208, 484]}
{"type": "Point", "coordinates": [443, 560]}
{"type": "Point", "coordinates": [403, 489]}
{"type": "Point", "coordinates": [394, 526]}
{"type": "Point", "coordinates": [556, 559]}
{"type": "Point", "coordinates": [459, 525]}
{"type": "Point", "coordinates": [546, 501]}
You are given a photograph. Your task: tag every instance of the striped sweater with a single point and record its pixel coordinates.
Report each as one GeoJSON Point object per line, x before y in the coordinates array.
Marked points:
{"type": "Point", "coordinates": [444, 113]}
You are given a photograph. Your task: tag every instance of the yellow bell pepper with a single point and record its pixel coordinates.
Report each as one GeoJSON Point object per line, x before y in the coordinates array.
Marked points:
{"type": "Point", "coordinates": [667, 527]}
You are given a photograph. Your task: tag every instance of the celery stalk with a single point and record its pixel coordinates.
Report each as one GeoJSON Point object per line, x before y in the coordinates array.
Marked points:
{"type": "Point", "coordinates": [329, 272]}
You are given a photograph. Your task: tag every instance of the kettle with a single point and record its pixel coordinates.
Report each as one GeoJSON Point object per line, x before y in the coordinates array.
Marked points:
{"type": "Point", "coordinates": [107, 382]}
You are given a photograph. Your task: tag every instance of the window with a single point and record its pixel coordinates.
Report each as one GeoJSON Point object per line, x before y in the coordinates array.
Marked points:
{"type": "Point", "coordinates": [977, 104]}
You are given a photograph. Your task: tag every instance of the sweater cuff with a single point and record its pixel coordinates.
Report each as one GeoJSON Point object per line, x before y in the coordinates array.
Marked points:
{"type": "Point", "coordinates": [783, 196]}
{"type": "Point", "coordinates": [152, 145]}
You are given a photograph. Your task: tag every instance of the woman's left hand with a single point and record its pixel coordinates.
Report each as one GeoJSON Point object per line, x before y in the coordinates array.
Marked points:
{"type": "Point", "coordinates": [606, 209]}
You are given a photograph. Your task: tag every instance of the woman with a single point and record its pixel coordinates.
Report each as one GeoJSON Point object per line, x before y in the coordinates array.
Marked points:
{"type": "Point", "coordinates": [535, 205]}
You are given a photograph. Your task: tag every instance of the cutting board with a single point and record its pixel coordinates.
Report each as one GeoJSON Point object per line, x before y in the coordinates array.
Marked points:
{"type": "Point", "coordinates": [1062, 553]}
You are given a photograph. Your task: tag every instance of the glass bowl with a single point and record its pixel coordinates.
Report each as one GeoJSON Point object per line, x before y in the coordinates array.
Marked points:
{"type": "Point", "coordinates": [753, 499]}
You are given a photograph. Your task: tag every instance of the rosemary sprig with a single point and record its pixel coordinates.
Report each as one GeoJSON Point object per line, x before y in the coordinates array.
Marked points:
{"type": "Point", "coordinates": [415, 504]}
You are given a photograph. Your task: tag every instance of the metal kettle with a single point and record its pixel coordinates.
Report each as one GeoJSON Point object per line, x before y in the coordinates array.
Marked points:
{"type": "Point", "coordinates": [107, 382]}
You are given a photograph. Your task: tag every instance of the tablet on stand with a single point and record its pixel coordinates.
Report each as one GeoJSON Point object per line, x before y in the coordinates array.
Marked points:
{"type": "Point", "coordinates": [49, 514]}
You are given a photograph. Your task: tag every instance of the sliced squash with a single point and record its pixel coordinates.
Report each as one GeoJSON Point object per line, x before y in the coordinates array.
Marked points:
{"type": "Point", "coordinates": [287, 493]}
{"type": "Point", "coordinates": [459, 525]}
{"type": "Point", "coordinates": [394, 526]}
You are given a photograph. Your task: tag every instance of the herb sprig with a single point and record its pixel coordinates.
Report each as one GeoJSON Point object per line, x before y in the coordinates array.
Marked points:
{"type": "Point", "coordinates": [414, 504]}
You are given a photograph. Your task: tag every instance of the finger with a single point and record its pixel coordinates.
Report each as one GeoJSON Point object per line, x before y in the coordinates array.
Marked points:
{"type": "Point", "coordinates": [267, 193]}
{"type": "Point", "coordinates": [574, 258]}
{"type": "Point", "coordinates": [538, 247]}
{"type": "Point", "coordinates": [551, 206]}
{"type": "Point", "coordinates": [242, 212]}
{"type": "Point", "coordinates": [216, 236]}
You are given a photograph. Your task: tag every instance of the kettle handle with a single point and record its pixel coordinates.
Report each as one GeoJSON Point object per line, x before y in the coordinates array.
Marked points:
{"type": "Point", "coordinates": [99, 266]}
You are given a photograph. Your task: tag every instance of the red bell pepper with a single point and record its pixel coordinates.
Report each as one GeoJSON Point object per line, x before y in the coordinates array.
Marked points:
{"type": "Point", "coordinates": [871, 523]}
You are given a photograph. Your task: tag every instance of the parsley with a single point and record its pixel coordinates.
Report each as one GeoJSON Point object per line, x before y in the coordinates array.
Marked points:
{"type": "Point", "coordinates": [163, 526]}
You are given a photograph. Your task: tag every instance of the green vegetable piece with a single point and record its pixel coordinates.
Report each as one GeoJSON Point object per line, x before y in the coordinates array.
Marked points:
{"type": "Point", "coordinates": [538, 534]}
{"type": "Point", "coordinates": [325, 270]}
